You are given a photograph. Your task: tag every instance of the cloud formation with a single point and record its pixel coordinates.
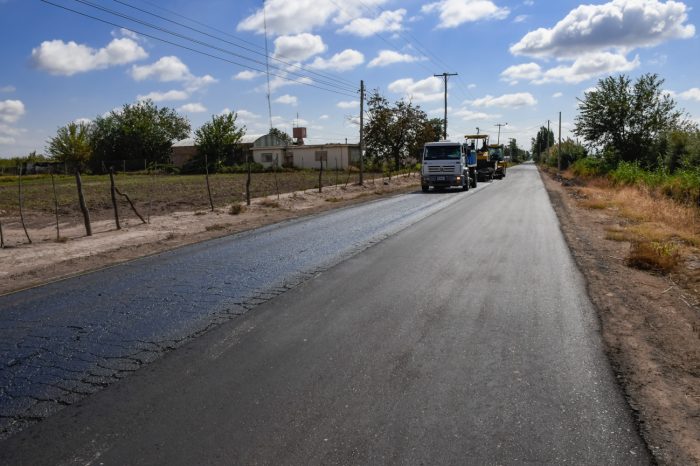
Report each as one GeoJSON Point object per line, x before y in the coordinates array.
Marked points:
{"type": "Point", "coordinates": [164, 96]}
{"type": "Point", "coordinates": [387, 21]}
{"type": "Point", "coordinates": [11, 110]}
{"type": "Point", "coordinates": [286, 99]}
{"type": "Point", "coordinates": [425, 90]}
{"type": "Point", "coordinates": [389, 57]}
{"type": "Point", "coordinates": [299, 47]}
{"type": "Point", "coordinates": [169, 69]}
{"type": "Point", "coordinates": [520, 99]}
{"type": "Point", "coordinates": [343, 61]}
{"type": "Point", "coordinates": [69, 58]}
{"type": "Point", "coordinates": [454, 13]}
{"type": "Point", "coordinates": [193, 108]}
{"type": "Point", "coordinates": [621, 25]}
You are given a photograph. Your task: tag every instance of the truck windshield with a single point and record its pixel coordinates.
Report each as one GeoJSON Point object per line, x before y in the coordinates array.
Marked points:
{"type": "Point", "coordinates": [495, 153]}
{"type": "Point", "coordinates": [442, 152]}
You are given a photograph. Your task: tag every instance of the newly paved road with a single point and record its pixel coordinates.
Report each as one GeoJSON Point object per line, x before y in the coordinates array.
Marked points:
{"type": "Point", "coordinates": [464, 337]}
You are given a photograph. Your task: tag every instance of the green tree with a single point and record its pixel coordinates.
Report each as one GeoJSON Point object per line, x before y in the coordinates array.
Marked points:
{"type": "Point", "coordinates": [541, 142]}
{"type": "Point", "coordinates": [138, 131]}
{"type": "Point", "coordinates": [393, 134]}
{"type": "Point", "coordinates": [71, 145]}
{"type": "Point", "coordinates": [571, 151]}
{"type": "Point", "coordinates": [286, 138]}
{"type": "Point", "coordinates": [627, 120]}
{"type": "Point", "coordinates": [217, 139]}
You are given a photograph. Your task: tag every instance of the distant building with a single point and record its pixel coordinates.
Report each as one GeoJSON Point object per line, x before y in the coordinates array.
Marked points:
{"type": "Point", "coordinates": [269, 151]}
{"type": "Point", "coordinates": [185, 150]}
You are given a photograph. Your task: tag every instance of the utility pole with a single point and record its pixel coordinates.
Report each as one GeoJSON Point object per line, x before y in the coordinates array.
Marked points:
{"type": "Point", "coordinates": [559, 149]}
{"type": "Point", "coordinates": [546, 147]}
{"type": "Point", "coordinates": [362, 129]}
{"type": "Point", "coordinates": [498, 141]}
{"type": "Point", "coordinates": [445, 76]}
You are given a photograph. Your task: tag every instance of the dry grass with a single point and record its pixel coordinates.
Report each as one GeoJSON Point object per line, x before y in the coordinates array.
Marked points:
{"type": "Point", "coordinates": [216, 226]}
{"type": "Point", "coordinates": [236, 209]}
{"type": "Point", "coordinates": [617, 235]}
{"type": "Point", "coordinates": [654, 256]}
{"type": "Point", "coordinates": [594, 204]}
{"type": "Point", "coordinates": [270, 203]}
{"type": "Point", "coordinates": [333, 199]}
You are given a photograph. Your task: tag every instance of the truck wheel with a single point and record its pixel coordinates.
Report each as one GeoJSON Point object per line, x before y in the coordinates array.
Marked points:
{"type": "Point", "coordinates": [473, 181]}
{"type": "Point", "coordinates": [465, 186]}
{"type": "Point", "coordinates": [425, 188]}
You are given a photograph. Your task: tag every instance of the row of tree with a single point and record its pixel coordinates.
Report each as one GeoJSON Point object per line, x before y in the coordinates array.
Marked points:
{"type": "Point", "coordinates": [625, 121]}
{"type": "Point", "coordinates": [142, 131]}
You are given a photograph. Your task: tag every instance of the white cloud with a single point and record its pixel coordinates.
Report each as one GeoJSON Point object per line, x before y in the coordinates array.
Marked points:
{"type": "Point", "coordinates": [323, 117]}
{"type": "Point", "coordinates": [425, 90]}
{"type": "Point", "coordinates": [557, 95]}
{"type": "Point", "coordinates": [348, 104]}
{"type": "Point", "coordinates": [193, 108]}
{"type": "Point", "coordinates": [389, 57]}
{"type": "Point", "coordinates": [11, 110]}
{"type": "Point", "coordinates": [299, 47]}
{"type": "Point", "coordinates": [691, 94]}
{"type": "Point", "coordinates": [343, 61]}
{"type": "Point", "coordinates": [521, 99]}
{"type": "Point", "coordinates": [587, 67]}
{"type": "Point", "coordinates": [471, 86]}
{"type": "Point", "coordinates": [164, 96]}
{"type": "Point", "coordinates": [470, 115]}
{"type": "Point", "coordinates": [387, 21]}
{"type": "Point", "coordinates": [82, 121]}
{"type": "Point", "coordinates": [68, 58]}
{"type": "Point", "coordinates": [247, 75]}
{"type": "Point", "coordinates": [456, 12]}
{"type": "Point", "coordinates": [520, 18]}
{"type": "Point", "coordinates": [286, 99]}
{"type": "Point", "coordinates": [527, 71]}
{"type": "Point", "coordinates": [169, 69]}
{"type": "Point", "coordinates": [294, 17]}
{"type": "Point", "coordinates": [8, 89]}
{"type": "Point", "coordinates": [620, 25]}
{"type": "Point", "coordinates": [279, 82]}
{"type": "Point", "coordinates": [247, 115]}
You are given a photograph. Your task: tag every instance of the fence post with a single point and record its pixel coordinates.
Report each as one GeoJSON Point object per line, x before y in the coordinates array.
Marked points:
{"type": "Point", "coordinates": [55, 206]}
{"type": "Point", "coordinates": [114, 197]}
{"type": "Point", "coordinates": [21, 201]}
{"type": "Point", "coordinates": [83, 206]}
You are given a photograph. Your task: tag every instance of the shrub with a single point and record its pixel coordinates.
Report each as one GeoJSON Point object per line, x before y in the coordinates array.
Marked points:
{"type": "Point", "coordinates": [589, 167]}
{"type": "Point", "coordinates": [653, 255]}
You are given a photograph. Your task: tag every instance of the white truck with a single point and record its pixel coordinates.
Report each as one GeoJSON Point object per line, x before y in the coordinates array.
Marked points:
{"type": "Point", "coordinates": [446, 164]}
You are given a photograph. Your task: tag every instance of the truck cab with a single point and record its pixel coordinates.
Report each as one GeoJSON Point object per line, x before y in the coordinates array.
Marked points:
{"type": "Point", "coordinates": [445, 164]}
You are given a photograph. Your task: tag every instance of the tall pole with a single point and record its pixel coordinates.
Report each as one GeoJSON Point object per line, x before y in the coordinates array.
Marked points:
{"type": "Point", "coordinates": [267, 67]}
{"type": "Point", "coordinates": [546, 147]}
{"type": "Point", "coordinates": [362, 131]}
{"type": "Point", "coordinates": [498, 141]}
{"type": "Point", "coordinates": [559, 149]}
{"type": "Point", "coordinates": [445, 76]}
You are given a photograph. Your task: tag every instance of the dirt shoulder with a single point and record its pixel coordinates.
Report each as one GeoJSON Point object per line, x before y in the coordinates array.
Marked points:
{"type": "Point", "coordinates": [650, 324]}
{"type": "Point", "coordinates": [24, 265]}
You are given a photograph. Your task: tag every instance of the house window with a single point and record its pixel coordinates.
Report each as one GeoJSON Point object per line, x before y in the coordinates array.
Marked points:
{"type": "Point", "coordinates": [321, 155]}
{"type": "Point", "coordinates": [266, 157]}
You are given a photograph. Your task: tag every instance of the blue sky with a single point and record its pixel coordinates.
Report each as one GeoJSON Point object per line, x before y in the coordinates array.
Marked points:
{"type": "Point", "coordinates": [519, 62]}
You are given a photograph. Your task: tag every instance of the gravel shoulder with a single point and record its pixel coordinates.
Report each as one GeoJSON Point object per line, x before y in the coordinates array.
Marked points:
{"type": "Point", "coordinates": [650, 327]}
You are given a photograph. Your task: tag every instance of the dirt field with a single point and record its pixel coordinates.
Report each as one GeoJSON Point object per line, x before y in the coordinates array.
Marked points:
{"type": "Point", "coordinates": [23, 265]}
{"type": "Point", "coordinates": [650, 321]}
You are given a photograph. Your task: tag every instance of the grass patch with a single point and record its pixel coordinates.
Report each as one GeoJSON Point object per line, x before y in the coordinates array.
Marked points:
{"type": "Point", "coordinates": [594, 204]}
{"type": "Point", "coordinates": [216, 227]}
{"type": "Point", "coordinates": [334, 199]}
{"type": "Point", "coordinates": [654, 256]}
{"type": "Point", "coordinates": [236, 209]}
{"type": "Point", "coordinates": [617, 235]}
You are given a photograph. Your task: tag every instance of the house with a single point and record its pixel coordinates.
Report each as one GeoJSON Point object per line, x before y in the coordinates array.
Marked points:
{"type": "Point", "coordinates": [185, 150]}
{"type": "Point", "coordinates": [269, 151]}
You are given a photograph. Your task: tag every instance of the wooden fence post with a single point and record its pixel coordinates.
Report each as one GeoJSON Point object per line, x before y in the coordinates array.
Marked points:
{"type": "Point", "coordinates": [21, 202]}
{"type": "Point", "coordinates": [55, 206]}
{"type": "Point", "coordinates": [83, 205]}
{"type": "Point", "coordinates": [114, 197]}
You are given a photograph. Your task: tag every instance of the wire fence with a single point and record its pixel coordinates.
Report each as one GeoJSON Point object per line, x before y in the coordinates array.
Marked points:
{"type": "Point", "coordinates": [153, 191]}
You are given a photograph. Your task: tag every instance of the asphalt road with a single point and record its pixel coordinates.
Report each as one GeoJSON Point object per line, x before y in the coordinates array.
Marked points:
{"type": "Point", "coordinates": [463, 337]}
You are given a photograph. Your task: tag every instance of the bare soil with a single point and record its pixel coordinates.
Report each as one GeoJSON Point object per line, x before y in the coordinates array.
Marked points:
{"type": "Point", "coordinates": [650, 323]}
{"type": "Point", "coordinates": [24, 265]}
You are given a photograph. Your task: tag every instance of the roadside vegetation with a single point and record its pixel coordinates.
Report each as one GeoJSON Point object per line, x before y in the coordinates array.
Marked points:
{"type": "Point", "coordinates": [641, 158]}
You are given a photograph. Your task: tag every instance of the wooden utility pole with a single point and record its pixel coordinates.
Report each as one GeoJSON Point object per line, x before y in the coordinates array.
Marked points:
{"type": "Point", "coordinates": [21, 202]}
{"type": "Point", "coordinates": [362, 132]}
{"type": "Point", "coordinates": [498, 141]}
{"type": "Point", "coordinates": [55, 205]}
{"type": "Point", "coordinates": [445, 76]}
{"type": "Point", "coordinates": [114, 198]}
{"type": "Point", "coordinates": [546, 147]}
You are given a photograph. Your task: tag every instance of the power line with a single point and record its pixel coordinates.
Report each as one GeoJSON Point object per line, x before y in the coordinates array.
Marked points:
{"type": "Point", "coordinates": [166, 41]}
{"type": "Point", "coordinates": [265, 54]}
{"type": "Point", "coordinates": [205, 44]}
